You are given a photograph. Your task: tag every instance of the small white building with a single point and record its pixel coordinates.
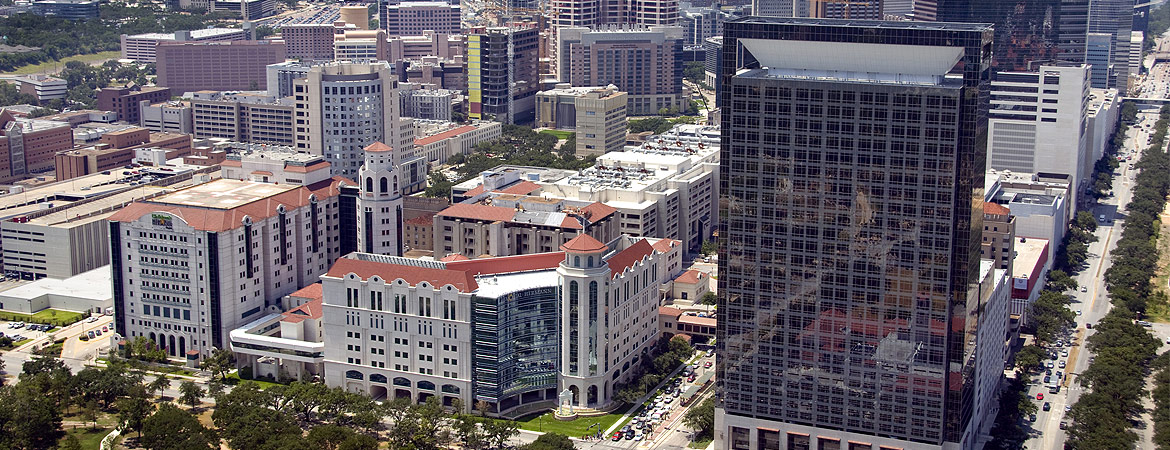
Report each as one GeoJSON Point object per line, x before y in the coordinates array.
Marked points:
{"type": "Point", "coordinates": [86, 292]}
{"type": "Point", "coordinates": [287, 345]}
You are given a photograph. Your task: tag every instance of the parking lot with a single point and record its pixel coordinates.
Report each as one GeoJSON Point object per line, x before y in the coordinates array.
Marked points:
{"type": "Point", "coordinates": [20, 331]}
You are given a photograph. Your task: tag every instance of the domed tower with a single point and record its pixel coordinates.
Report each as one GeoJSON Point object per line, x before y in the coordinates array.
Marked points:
{"type": "Point", "coordinates": [584, 278]}
{"type": "Point", "coordinates": [380, 204]}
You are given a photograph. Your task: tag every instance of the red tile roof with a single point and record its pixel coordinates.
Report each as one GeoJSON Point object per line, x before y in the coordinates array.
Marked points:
{"type": "Point", "coordinates": [474, 191]}
{"type": "Point", "coordinates": [231, 163]}
{"type": "Point", "coordinates": [454, 257]}
{"type": "Point", "coordinates": [691, 276]}
{"type": "Point", "coordinates": [310, 310]}
{"type": "Point", "coordinates": [668, 311]}
{"type": "Point", "coordinates": [217, 220]}
{"type": "Point", "coordinates": [423, 220]}
{"type": "Point", "coordinates": [597, 211]}
{"type": "Point", "coordinates": [664, 245]}
{"type": "Point", "coordinates": [479, 212]}
{"type": "Point", "coordinates": [312, 291]}
{"type": "Point", "coordinates": [443, 135]}
{"type": "Point", "coordinates": [996, 208]}
{"type": "Point", "coordinates": [508, 264]}
{"type": "Point", "coordinates": [696, 320]}
{"type": "Point", "coordinates": [411, 274]}
{"type": "Point", "coordinates": [627, 258]}
{"type": "Point", "coordinates": [378, 147]}
{"type": "Point", "coordinates": [584, 243]}
{"type": "Point", "coordinates": [521, 188]}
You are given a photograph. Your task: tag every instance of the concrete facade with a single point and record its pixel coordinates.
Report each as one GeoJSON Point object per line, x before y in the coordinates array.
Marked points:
{"type": "Point", "coordinates": [342, 108]}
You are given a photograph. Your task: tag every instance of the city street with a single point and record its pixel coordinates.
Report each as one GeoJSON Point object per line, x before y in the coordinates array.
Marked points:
{"type": "Point", "coordinates": [1093, 304]}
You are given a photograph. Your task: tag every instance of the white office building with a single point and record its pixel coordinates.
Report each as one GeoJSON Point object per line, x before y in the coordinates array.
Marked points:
{"type": "Point", "coordinates": [403, 328]}
{"type": "Point", "coordinates": [192, 265]}
{"type": "Point", "coordinates": [1037, 124]}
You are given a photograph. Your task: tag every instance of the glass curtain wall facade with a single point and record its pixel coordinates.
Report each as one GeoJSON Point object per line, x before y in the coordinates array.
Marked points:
{"type": "Point", "coordinates": [1025, 30]}
{"type": "Point", "coordinates": [515, 347]}
{"type": "Point", "coordinates": [850, 232]}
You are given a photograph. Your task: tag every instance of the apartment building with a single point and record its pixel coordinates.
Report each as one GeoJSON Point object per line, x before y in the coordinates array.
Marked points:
{"type": "Point", "coordinates": [510, 222]}
{"type": "Point", "coordinates": [597, 114]}
{"type": "Point", "coordinates": [193, 265]}
{"type": "Point", "coordinates": [142, 47]}
{"type": "Point", "coordinates": [1038, 124]}
{"type": "Point", "coordinates": [643, 62]}
{"type": "Point", "coordinates": [490, 68]}
{"type": "Point", "coordinates": [341, 108]}
{"type": "Point", "coordinates": [126, 101]}
{"type": "Point", "coordinates": [239, 65]}
{"type": "Point", "coordinates": [403, 328]}
{"type": "Point", "coordinates": [412, 18]}
{"type": "Point", "coordinates": [27, 146]}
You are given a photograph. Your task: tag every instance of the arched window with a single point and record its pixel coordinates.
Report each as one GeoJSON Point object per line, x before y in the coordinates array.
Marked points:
{"type": "Point", "coordinates": [426, 385]}
{"type": "Point", "coordinates": [377, 378]}
{"type": "Point", "coordinates": [400, 381]}
{"type": "Point", "coordinates": [370, 184]}
{"type": "Point", "coordinates": [576, 261]}
{"type": "Point", "coordinates": [451, 389]}
{"type": "Point", "coordinates": [590, 262]}
{"type": "Point", "coordinates": [384, 185]}
{"type": "Point", "coordinates": [355, 375]}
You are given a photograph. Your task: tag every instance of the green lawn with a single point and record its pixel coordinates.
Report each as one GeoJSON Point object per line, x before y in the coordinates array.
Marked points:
{"type": "Point", "coordinates": [234, 379]}
{"type": "Point", "coordinates": [53, 66]}
{"type": "Point", "coordinates": [90, 439]}
{"type": "Point", "coordinates": [574, 428]}
{"type": "Point", "coordinates": [47, 316]}
{"type": "Point", "coordinates": [558, 133]}
{"type": "Point", "coordinates": [700, 444]}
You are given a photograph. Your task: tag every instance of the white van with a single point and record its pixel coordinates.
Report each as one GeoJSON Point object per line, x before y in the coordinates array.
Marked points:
{"type": "Point", "coordinates": [1101, 217]}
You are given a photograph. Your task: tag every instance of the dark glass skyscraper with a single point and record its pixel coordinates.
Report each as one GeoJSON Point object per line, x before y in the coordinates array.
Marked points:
{"type": "Point", "coordinates": [1025, 30]}
{"type": "Point", "coordinates": [851, 176]}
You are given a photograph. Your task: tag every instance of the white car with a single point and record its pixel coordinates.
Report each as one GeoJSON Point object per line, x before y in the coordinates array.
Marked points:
{"type": "Point", "coordinates": [92, 320]}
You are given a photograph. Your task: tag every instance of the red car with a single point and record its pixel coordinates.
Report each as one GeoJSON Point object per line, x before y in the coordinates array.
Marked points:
{"type": "Point", "coordinates": [1040, 396]}
{"type": "Point", "coordinates": [707, 365]}
{"type": "Point", "coordinates": [617, 436]}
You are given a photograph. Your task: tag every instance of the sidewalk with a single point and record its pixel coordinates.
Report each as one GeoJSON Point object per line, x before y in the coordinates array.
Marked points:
{"type": "Point", "coordinates": [641, 403]}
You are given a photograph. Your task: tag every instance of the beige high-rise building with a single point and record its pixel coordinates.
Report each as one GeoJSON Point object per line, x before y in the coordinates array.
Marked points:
{"type": "Point", "coordinates": [598, 114]}
{"type": "Point", "coordinates": [590, 13]}
{"type": "Point", "coordinates": [342, 108]}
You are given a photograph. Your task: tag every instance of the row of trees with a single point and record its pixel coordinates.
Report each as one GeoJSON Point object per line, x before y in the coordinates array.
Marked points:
{"type": "Point", "coordinates": [1123, 349]}
{"type": "Point", "coordinates": [1161, 396]}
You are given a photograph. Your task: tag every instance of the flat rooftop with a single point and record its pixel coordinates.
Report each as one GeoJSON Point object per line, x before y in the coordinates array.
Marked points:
{"type": "Point", "coordinates": [897, 25]}
{"type": "Point", "coordinates": [195, 34]}
{"type": "Point", "coordinates": [94, 285]}
{"type": "Point", "coordinates": [493, 286]}
{"type": "Point", "coordinates": [224, 194]}
{"type": "Point", "coordinates": [1028, 252]}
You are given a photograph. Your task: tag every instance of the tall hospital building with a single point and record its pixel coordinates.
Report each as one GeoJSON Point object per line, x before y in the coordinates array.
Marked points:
{"type": "Point", "coordinates": [851, 180]}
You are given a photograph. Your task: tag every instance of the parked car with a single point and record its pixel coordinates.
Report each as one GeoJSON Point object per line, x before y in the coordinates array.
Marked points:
{"type": "Point", "coordinates": [1061, 365]}
{"type": "Point", "coordinates": [617, 436]}
{"type": "Point", "coordinates": [1031, 417]}
{"type": "Point", "coordinates": [1047, 406]}
{"type": "Point", "coordinates": [707, 365]}
{"type": "Point", "coordinates": [1040, 396]}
